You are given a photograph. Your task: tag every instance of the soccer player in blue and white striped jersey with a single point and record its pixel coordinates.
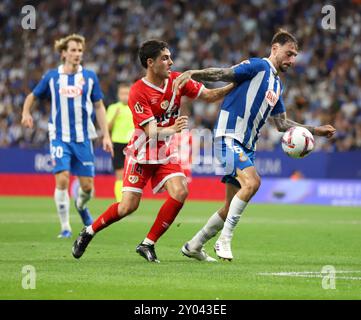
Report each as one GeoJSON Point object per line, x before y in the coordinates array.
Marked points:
{"type": "Point", "coordinates": [244, 111]}
{"type": "Point", "coordinates": [75, 97]}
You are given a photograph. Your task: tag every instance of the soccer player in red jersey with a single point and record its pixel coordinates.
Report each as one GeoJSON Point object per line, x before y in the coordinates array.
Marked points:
{"type": "Point", "coordinates": [151, 154]}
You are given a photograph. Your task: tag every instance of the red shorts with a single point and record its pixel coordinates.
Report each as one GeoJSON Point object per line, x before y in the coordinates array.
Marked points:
{"type": "Point", "coordinates": [136, 175]}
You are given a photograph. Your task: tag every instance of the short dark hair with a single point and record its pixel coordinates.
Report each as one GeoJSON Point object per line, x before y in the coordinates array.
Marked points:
{"type": "Point", "coordinates": [151, 49]}
{"type": "Point", "coordinates": [282, 36]}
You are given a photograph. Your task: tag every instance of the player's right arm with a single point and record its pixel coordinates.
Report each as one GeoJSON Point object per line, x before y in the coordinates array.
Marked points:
{"type": "Point", "coordinates": [209, 74]}
{"type": "Point", "coordinates": [247, 69]}
{"type": "Point", "coordinates": [40, 91]}
{"type": "Point", "coordinates": [27, 119]}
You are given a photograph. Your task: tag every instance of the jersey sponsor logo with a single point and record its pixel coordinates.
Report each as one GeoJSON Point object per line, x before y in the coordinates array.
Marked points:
{"type": "Point", "coordinates": [271, 98]}
{"type": "Point", "coordinates": [70, 91]}
{"type": "Point", "coordinates": [133, 179]}
{"type": "Point", "coordinates": [164, 118]}
{"type": "Point", "coordinates": [164, 104]}
{"type": "Point", "coordinates": [138, 108]}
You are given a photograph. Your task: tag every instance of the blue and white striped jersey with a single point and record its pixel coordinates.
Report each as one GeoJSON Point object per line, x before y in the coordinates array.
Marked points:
{"type": "Point", "coordinates": [246, 108]}
{"type": "Point", "coordinates": [72, 97]}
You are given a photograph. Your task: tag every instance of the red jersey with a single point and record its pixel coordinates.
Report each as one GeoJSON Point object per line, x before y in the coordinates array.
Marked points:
{"type": "Point", "coordinates": [149, 102]}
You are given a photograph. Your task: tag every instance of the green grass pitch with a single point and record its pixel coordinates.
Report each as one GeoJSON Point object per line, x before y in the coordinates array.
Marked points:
{"type": "Point", "coordinates": [269, 240]}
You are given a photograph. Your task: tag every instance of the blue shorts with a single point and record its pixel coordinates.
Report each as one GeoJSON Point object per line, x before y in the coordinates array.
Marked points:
{"type": "Point", "coordinates": [232, 155]}
{"type": "Point", "coordinates": [76, 157]}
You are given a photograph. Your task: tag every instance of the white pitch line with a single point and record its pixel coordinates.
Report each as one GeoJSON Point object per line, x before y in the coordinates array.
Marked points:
{"type": "Point", "coordinates": [311, 274]}
{"type": "Point", "coordinates": [305, 272]}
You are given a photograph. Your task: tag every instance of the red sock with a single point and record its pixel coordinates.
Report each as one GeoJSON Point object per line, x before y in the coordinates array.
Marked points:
{"type": "Point", "coordinates": [107, 218]}
{"type": "Point", "coordinates": [166, 216]}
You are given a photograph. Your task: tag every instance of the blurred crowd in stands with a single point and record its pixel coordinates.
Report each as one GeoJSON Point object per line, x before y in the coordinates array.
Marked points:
{"type": "Point", "coordinates": [324, 87]}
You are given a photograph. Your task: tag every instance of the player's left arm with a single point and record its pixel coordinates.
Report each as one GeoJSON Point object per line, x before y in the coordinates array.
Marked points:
{"type": "Point", "coordinates": [103, 124]}
{"type": "Point", "coordinates": [282, 124]}
{"type": "Point", "coordinates": [212, 95]}
{"type": "Point", "coordinates": [97, 98]}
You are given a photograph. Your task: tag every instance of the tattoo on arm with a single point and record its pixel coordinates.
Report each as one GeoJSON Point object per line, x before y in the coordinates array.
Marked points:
{"type": "Point", "coordinates": [283, 124]}
{"type": "Point", "coordinates": [213, 95]}
{"type": "Point", "coordinates": [215, 74]}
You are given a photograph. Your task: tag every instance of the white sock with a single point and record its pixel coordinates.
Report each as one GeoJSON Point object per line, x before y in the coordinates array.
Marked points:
{"type": "Point", "coordinates": [210, 229]}
{"type": "Point", "coordinates": [234, 213]}
{"type": "Point", "coordinates": [61, 198]}
{"type": "Point", "coordinates": [83, 198]}
{"type": "Point", "coordinates": [148, 241]}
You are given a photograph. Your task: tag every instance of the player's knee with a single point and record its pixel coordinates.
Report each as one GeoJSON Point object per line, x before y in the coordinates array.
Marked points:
{"type": "Point", "coordinates": [224, 211]}
{"type": "Point", "coordinates": [252, 185]}
{"type": "Point", "coordinates": [255, 184]}
{"type": "Point", "coordinates": [180, 194]}
{"type": "Point", "coordinates": [87, 185]}
{"type": "Point", "coordinates": [87, 188]}
{"type": "Point", "coordinates": [184, 193]}
{"type": "Point", "coordinates": [126, 208]}
{"type": "Point", "coordinates": [62, 180]}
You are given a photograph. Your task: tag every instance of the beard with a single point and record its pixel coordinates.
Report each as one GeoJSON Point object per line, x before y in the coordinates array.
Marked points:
{"type": "Point", "coordinates": [283, 68]}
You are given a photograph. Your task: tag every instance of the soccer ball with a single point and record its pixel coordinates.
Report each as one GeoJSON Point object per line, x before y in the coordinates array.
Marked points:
{"type": "Point", "coordinates": [297, 142]}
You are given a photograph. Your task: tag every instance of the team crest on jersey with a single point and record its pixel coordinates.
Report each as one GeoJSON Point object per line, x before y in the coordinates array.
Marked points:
{"type": "Point", "coordinates": [70, 91]}
{"type": "Point", "coordinates": [164, 105]}
{"type": "Point", "coordinates": [138, 108]}
{"type": "Point", "coordinates": [81, 82]}
{"type": "Point", "coordinates": [271, 98]}
{"type": "Point", "coordinates": [242, 156]}
{"type": "Point", "coordinates": [133, 179]}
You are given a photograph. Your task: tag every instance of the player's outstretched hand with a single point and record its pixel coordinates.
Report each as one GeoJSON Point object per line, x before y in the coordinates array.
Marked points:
{"type": "Point", "coordinates": [325, 131]}
{"type": "Point", "coordinates": [27, 120]}
{"type": "Point", "coordinates": [181, 80]}
{"type": "Point", "coordinates": [108, 145]}
{"type": "Point", "coordinates": [181, 123]}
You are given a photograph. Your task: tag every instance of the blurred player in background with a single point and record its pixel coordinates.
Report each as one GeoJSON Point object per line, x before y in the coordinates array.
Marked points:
{"type": "Point", "coordinates": [120, 123]}
{"type": "Point", "coordinates": [257, 95]}
{"type": "Point", "coordinates": [75, 94]}
{"type": "Point", "coordinates": [150, 155]}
